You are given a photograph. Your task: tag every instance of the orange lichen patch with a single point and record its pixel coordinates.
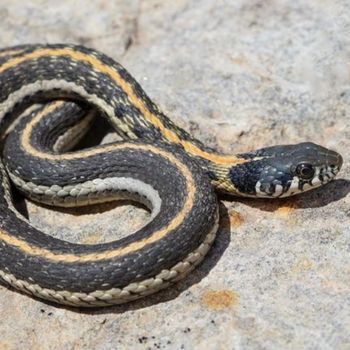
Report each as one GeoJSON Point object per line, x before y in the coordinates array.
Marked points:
{"type": "Point", "coordinates": [287, 208]}
{"type": "Point", "coordinates": [5, 345]}
{"type": "Point", "coordinates": [32, 208]}
{"type": "Point", "coordinates": [220, 299]}
{"type": "Point", "coordinates": [303, 264]}
{"type": "Point", "coordinates": [236, 219]}
{"type": "Point", "coordinates": [336, 286]}
{"type": "Point", "coordinates": [93, 238]}
{"type": "Point", "coordinates": [240, 60]}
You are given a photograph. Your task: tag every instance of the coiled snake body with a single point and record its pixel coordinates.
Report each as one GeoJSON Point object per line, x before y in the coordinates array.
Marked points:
{"type": "Point", "coordinates": [159, 164]}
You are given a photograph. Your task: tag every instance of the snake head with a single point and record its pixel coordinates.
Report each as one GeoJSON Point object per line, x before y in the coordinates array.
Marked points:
{"type": "Point", "coordinates": [286, 170]}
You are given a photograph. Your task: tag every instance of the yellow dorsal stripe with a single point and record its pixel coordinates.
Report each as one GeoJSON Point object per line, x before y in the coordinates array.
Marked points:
{"type": "Point", "coordinates": [134, 99]}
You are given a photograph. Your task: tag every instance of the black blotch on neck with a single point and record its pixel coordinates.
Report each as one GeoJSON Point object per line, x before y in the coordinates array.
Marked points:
{"type": "Point", "coordinates": [245, 176]}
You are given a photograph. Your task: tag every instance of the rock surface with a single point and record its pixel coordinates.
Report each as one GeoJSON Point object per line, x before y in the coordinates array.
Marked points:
{"type": "Point", "coordinates": [238, 75]}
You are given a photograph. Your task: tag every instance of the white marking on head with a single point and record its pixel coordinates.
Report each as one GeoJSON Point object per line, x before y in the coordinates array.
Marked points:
{"type": "Point", "coordinates": [278, 191]}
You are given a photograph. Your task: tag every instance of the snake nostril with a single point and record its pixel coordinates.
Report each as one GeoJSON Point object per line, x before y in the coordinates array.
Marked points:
{"type": "Point", "coordinates": [339, 161]}
{"type": "Point", "coordinates": [334, 160]}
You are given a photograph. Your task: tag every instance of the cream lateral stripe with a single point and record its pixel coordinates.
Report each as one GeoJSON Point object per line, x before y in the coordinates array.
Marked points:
{"type": "Point", "coordinates": [73, 135]}
{"type": "Point", "coordinates": [130, 292]}
{"type": "Point", "coordinates": [132, 247]}
{"type": "Point", "coordinates": [48, 85]}
{"type": "Point", "coordinates": [128, 89]}
{"type": "Point", "coordinates": [28, 147]}
{"type": "Point", "coordinates": [10, 52]}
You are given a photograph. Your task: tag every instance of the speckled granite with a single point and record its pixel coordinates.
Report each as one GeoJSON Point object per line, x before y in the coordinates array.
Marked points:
{"type": "Point", "coordinates": [239, 75]}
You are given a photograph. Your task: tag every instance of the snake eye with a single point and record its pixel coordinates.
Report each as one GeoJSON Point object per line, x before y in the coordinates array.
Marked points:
{"type": "Point", "coordinates": [305, 170]}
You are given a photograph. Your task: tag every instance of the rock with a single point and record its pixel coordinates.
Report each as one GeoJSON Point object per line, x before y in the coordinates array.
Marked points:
{"type": "Point", "coordinates": [239, 75]}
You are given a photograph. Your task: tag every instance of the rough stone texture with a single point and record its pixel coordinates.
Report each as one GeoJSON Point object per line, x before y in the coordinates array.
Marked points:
{"type": "Point", "coordinates": [239, 75]}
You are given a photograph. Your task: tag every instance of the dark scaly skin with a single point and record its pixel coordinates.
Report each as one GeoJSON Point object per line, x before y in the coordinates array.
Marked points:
{"type": "Point", "coordinates": [90, 275]}
{"type": "Point", "coordinates": [66, 72]}
{"type": "Point", "coordinates": [130, 121]}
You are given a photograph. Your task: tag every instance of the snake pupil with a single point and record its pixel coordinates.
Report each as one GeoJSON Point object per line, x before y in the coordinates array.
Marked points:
{"type": "Point", "coordinates": [305, 171]}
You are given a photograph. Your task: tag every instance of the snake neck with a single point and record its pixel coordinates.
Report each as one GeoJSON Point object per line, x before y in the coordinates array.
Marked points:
{"type": "Point", "coordinates": [162, 129]}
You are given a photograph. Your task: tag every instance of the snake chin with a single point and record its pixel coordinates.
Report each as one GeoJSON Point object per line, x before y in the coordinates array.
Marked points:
{"type": "Point", "coordinates": [282, 171]}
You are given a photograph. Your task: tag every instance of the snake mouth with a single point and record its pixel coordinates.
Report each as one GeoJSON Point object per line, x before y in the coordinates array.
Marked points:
{"type": "Point", "coordinates": [334, 162]}
{"type": "Point", "coordinates": [326, 174]}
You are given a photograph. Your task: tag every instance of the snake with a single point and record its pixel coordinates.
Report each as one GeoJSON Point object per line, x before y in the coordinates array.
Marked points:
{"type": "Point", "coordinates": [49, 96]}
